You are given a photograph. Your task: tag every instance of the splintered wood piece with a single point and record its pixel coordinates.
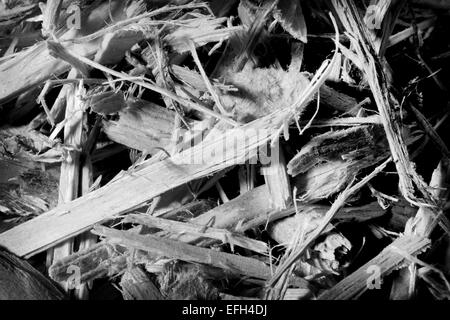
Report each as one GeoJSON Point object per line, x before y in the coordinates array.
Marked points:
{"type": "Point", "coordinates": [350, 143]}
{"type": "Point", "coordinates": [337, 100]}
{"type": "Point", "coordinates": [98, 261]}
{"type": "Point", "coordinates": [142, 125]}
{"type": "Point", "coordinates": [283, 230]}
{"type": "Point", "coordinates": [182, 251]}
{"type": "Point", "coordinates": [366, 59]}
{"type": "Point", "coordinates": [70, 167]}
{"type": "Point", "coordinates": [277, 179]}
{"type": "Point", "coordinates": [383, 264]}
{"type": "Point", "coordinates": [115, 44]}
{"type": "Point", "coordinates": [136, 285]}
{"type": "Point", "coordinates": [235, 213]}
{"type": "Point", "coordinates": [179, 228]}
{"type": "Point", "coordinates": [328, 178]}
{"type": "Point", "coordinates": [200, 31]}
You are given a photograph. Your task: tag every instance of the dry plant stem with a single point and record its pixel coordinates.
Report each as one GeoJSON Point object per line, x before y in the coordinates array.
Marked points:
{"type": "Point", "coordinates": [337, 205]}
{"type": "Point", "coordinates": [408, 32]}
{"type": "Point", "coordinates": [365, 59]}
{"type": "Point", "coordinates": [41, 100]}
{"type": "Point", "coordinates": [345, 122]}
{"type": "Point", "coordinates": [431, 132]}
{"type": "Point", "coordinates": [70, 168]}
{"type": "Point", "coordinates": [223, 196]}
{"type": "Point", "coordinates": [206, 79]}
{"type": "Point", "coordinates": [87, 239]}
{"type": "Point", "coordinates": [58, 108]}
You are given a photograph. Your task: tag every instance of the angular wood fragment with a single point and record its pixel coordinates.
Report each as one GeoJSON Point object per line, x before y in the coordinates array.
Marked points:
{"type": "Point", "coordinates": [352, 143]}
{"type": "Point", "coordinates": [142, 125]}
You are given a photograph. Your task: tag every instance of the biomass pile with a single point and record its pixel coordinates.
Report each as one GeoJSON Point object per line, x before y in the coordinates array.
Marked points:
{"type": "Point", "coordinates": [241, 149]}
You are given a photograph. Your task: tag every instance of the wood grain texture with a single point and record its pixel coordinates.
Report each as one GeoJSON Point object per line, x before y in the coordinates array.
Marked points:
{"type": "Point", "coordinates": [182, 251]}
{"type": "Point", "coordinates": [137, 187]}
